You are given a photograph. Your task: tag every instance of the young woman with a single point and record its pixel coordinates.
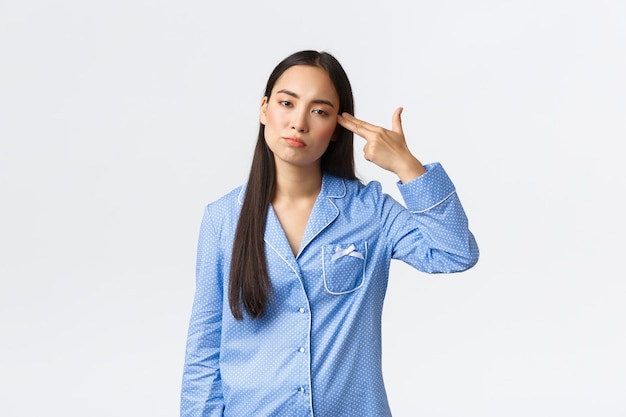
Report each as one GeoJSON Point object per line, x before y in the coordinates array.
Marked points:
{"type": "Point", "coordinates": [292, 267]}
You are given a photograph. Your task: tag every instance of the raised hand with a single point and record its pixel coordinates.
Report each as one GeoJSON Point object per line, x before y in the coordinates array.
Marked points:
{"type": "Point", "coordinates": [386, 148]}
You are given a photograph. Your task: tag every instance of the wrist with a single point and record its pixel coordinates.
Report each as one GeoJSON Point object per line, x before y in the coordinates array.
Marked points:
{"type": "Point", "coordinates": [409, 170]}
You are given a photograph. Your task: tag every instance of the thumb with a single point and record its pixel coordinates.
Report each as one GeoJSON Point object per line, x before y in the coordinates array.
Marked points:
{"type": "Point", "coordinates": [396, 121]}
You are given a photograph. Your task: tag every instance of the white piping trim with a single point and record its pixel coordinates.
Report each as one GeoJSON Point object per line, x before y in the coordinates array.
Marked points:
{"type": "Point", "coordinates": [434, 205]}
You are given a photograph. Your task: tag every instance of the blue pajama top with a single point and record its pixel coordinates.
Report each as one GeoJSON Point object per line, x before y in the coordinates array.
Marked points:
{"type": "Point", "coordinates": [317, 349]}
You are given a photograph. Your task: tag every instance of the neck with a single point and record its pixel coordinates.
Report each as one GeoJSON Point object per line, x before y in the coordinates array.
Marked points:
{"type": "Point", "coordinates": [297, 182]}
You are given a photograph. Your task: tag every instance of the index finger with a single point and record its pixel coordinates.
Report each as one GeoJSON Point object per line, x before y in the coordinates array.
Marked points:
{"type": "Point", "coordinates": [353, 124]}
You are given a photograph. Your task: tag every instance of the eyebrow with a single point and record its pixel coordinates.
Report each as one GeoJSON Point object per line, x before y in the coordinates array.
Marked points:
{"type": "Point", "coordinates": [318, 101]}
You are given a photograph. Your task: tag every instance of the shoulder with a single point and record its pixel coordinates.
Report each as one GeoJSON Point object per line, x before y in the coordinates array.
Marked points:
{"type": "Point", "coordinates": [225, 207]}
{"type": "Point", "coordinates": [232, 197]}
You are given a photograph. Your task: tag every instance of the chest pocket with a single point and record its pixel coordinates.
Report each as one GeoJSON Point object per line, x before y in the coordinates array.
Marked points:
{"type": "Point", "coordinates": [343, 267]}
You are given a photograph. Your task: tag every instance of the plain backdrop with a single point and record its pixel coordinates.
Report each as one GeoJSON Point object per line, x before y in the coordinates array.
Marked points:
{"type": "Point", "coordinates": [121, 119]}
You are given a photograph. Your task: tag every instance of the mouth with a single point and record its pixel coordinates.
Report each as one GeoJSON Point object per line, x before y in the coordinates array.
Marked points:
{"type": "Point", "coordinates": [295, 142]}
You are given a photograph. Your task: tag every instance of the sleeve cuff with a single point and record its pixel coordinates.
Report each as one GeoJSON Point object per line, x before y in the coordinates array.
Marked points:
{"type": "Point", "coordinates": [427, 190]}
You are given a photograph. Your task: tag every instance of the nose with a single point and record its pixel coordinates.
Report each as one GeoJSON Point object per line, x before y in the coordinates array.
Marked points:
{"type": "Point", "coordinates": [299, 121]}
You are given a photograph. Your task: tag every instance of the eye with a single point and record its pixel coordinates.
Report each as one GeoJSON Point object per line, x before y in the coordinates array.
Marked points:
{"type": "Point", "coordinates": [285, 103]}
{"type": "Point", "coordinates": [320, 112]}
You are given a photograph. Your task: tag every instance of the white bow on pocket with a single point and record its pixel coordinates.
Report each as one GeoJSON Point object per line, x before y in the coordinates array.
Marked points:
{"type": "Point", "coordinates": [349, 251]}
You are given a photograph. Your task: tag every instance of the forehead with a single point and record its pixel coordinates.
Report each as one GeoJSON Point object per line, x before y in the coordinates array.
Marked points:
{"type": "Point", "coordinates": [307, 82]}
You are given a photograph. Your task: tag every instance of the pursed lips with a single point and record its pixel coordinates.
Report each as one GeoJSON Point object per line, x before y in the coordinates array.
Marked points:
{"type": "Point", "coordinates": [293, 141]}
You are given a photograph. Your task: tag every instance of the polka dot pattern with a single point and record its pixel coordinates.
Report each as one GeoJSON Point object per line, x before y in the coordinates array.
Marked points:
{"type": "Point", "coordinates": [306, 356]}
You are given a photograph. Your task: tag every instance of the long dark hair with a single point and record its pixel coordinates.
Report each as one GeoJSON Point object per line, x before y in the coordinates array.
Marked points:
{"type": "Point", "coordinates": [249, 281]}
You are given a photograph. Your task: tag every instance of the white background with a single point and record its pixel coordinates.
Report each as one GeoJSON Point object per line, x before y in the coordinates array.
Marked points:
{"type": "Point", "coordinates": [121, 119]}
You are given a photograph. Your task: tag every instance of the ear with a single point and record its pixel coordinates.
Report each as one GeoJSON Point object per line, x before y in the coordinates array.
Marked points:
{"type": "Point", "coordinates": [263, 111]}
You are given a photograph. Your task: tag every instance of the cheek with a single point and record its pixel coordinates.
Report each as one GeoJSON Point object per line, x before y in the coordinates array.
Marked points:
{"type": "Point", "coordinates": [327, 130]}
{"type": "Point", "coordinates": [269, 120]}
{"type": "Point", "coordinates": [273, 118]}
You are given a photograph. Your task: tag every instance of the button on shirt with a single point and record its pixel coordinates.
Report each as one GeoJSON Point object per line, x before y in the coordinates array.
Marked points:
{"type": "Point", "coordinates": [317, 349]}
